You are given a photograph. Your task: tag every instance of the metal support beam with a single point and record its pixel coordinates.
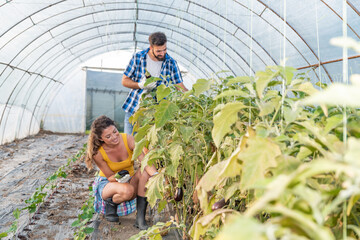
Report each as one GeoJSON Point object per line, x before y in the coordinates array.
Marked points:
{"type": "Point", "coordinates": [327, 62]}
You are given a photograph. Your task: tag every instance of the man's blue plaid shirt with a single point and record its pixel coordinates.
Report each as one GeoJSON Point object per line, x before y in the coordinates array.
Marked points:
{"type": "Point", "coordinates": [136, 70]}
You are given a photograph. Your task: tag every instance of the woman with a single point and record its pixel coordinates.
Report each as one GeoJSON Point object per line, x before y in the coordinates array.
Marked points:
{"type": "Point", "coordinates": [112, 152]}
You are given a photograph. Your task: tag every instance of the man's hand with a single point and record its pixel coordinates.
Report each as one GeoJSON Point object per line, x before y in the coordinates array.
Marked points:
{"type": "Point", "coordinates": [148, 87]}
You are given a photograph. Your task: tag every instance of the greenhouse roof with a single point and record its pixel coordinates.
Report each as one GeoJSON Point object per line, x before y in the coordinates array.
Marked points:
{"type": "Point", "coordinates": [42, 42]}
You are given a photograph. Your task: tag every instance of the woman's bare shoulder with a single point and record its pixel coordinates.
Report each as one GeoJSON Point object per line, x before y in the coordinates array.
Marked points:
{"type": "Point", "coordinates": [98, 157]}
{"type": "Point", "coordinates": [131, 141]}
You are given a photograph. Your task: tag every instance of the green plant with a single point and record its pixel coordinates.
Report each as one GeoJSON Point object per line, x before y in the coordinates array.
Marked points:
{"type": "Point", "coordinates": [84, 218]}
{"type": "Point", "coordinates": [177, 131]}
{"type": "Point", "coordinates": [298, 175]}
{"type": "Point", "coordinates": [40, 194]}
{"type": "Point", "coordinates": [13, 226]}
{"type": "Point", "coordinates": [156, 231]}
{"type": "Point", "coordinates": [280, 165]}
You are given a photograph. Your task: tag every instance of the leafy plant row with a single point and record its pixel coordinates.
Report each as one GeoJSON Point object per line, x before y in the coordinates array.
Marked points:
{"type": "Point", "coordinates": [280, 155]}
{"type": "Point", "coordinates": [81, 224]}
{"type": "Point", "coordinates": [41, 192]}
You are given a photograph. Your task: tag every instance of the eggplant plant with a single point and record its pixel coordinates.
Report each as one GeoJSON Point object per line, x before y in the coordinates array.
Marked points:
{"type": "Point", "coordinates": [284, 166]}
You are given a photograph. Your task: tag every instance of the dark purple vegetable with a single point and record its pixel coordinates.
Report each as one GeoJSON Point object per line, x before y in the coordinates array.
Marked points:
{"type": "Point", "coordinates": [178, 194]}
{"type": "Point", "coordinates": [219, 204]}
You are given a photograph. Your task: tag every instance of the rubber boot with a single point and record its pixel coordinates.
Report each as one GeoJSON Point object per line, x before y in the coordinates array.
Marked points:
{"type": "Point", "coordinates": [111, 210]}
{"type": "Point", "coordinates": [141, 205]}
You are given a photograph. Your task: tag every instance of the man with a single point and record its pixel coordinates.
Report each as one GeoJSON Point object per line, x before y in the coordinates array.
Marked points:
{"type": "Point", "coordinates": [158, 63]}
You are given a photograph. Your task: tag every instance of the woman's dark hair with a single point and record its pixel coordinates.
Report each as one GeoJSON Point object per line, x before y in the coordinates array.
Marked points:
{"type": "Point", "coordinates": [157, 39]}
{"type": "Point", "coordinates": [94, 140]}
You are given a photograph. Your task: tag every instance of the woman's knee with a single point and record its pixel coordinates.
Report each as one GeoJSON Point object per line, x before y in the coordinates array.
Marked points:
{"type": "Point", "coordinates": [128, 191]}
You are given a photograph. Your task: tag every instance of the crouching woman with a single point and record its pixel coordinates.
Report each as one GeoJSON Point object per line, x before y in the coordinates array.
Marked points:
{"type": "Point", "coordinates": [112, 153]}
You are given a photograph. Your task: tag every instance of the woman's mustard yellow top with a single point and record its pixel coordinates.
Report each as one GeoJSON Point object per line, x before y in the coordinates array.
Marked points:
{"type": "Point", "coordinates": [127, 164]}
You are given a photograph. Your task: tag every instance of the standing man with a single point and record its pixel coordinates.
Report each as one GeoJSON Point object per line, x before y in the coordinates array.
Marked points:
{"type": "Point", "coordinates": [158, 63]}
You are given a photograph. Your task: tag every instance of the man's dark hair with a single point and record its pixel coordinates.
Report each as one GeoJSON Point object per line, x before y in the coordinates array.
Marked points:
{"type": "Point", "coordinates": [157, 39]}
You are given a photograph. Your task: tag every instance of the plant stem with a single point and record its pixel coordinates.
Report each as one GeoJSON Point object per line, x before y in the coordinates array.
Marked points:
{"type": "Point", "coordinates": [344, 221]}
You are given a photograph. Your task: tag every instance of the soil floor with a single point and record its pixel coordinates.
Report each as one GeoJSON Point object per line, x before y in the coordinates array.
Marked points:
{"type": "Point", "coordinates": [25, 164]}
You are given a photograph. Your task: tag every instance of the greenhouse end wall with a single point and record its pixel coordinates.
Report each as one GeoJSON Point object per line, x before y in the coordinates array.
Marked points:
{"type": "Point", "coordinates": [66, 113]}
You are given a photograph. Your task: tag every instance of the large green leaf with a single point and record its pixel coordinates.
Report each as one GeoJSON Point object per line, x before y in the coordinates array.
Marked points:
{"type": "Point", "coordinates": [318, 133]}
{"type": "Point", "coordinates": [321, 166]}
{"type": "Point", "coordinates": [171, 170]}
{"type": "Point", "coordinates": [165, 111]}
{"type": "Point", "coordinates": [243, 79]}
{"type": "Point", "coordinates": [213, 218]}
{"type": "Point", "coordinates": [155, 189]}
{"type": "Point", "coordinates": [150, 156]}
{"type": "Point", "coordinates": [152, 135]}
{"type": "Point", "coordinates": [224, 119]}
{"type": "Point", "coordinates": [306, 87]}
{"type": "Point", "coordinates": [269, 106]}
{"type": "Point", "coordinates": [303, 153]}
{"type": "Point", "coordinates": [263, 79]}
{"type": "Point", "coordinates": [232, 93]}
{"type": "Point", "coordinates": [273, 192]}
{"type": "Point", "coordinates": [176, 152]}
{"type": "Point", "coordinates": [301, 220]}
{"type": "Point", "coordinates": [232, 167]}
{"type": "Point", "coordinates": [304, 138]}
{"type": "Point", "coordinates": [139, 148]}
{"type": "Point", "coordinates": [258, 158]}
{"type": "Point", "coordinates": [162, 92]}
{"type": "Point", "coordinates": [336, 94]}
{"type": "Point", "coordinates": [207, 183]}
{"type": "Point", "coordinates": [251, 89]}
{"type": "Point", "coordinates": [332, 122]}
{"type": "Point", "coordinates": [209, 180]}
{"type": "Point", "coordinates": [3, 234]}
{"type": "Point", "coordinates": [312, 198]}
{"type": "Point", "coordinates": [352, 154]}
{"type": "Point", "coordinates": [141, 132]}
{"type": "Point", "coordinates": [186, 133]}
{"type": "Point", "coordinates": [288, 73]}
{"type": "Point", "coordinates": [201, 86]}
{"type": "Point", "coordinates": [290, 114]}
{"type": "Point", "coordinates": [242, 228]}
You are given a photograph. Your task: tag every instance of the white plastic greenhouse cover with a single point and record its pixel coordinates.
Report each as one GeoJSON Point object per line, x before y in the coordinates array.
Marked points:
{"type": "Point", "coordinates": [44, 42]}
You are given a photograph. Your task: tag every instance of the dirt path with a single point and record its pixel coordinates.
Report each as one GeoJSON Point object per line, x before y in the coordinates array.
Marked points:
{"type": "Point", "coordinates": [25, 165]}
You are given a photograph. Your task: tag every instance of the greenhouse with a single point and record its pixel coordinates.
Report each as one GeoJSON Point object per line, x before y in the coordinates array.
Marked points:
{"type": "Point", "coordinates": [246, 125]}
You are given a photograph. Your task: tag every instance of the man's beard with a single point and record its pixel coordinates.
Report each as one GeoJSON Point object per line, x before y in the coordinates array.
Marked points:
{"type": "Point", "coordinates": [157, 57]}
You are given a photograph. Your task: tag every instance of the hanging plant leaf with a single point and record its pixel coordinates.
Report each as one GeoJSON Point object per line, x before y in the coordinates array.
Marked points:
{"type": "Point", "coordinates": [306, 87]}
{"type": "Point", "coordinates": [152, 135]}
{"type": "Point", "coordinates": [287, 73]}
{"type": "Point", "coordinates": [258, 158]}
{"type": "Point", "coordinates": [165, 111]}
{"type": "Point", "coordinates": [232, 93]}
{"type": "Point", "coordinates": [162, 92]}
{"type": "Point", "coordinates": [155, 189]}
{"type": "Point", "coordinates": [139, 148]}
{"type": "Point", "coordinates": [201, 86]}
{"type": "Point", "coordinates": [186, 133]}
{"type": "Point", "coordinates": [243, 79]}
{"type": "Point", "coordinates": [263, 79]}
{"type": "Point", "coordinates": [333, 121]}
{"type": "Point", "coordinates": [176, 152]}
{"type": "Point", "coordinates": [141, 132]}
{"type": "Point", "coordinates": [224, 119]}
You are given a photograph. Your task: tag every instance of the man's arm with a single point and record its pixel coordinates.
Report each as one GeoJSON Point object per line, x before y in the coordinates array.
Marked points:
{"type": "Point", "coordinates": [127, 82]}
{"type": "Point", "coordinates": [181, 87]}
